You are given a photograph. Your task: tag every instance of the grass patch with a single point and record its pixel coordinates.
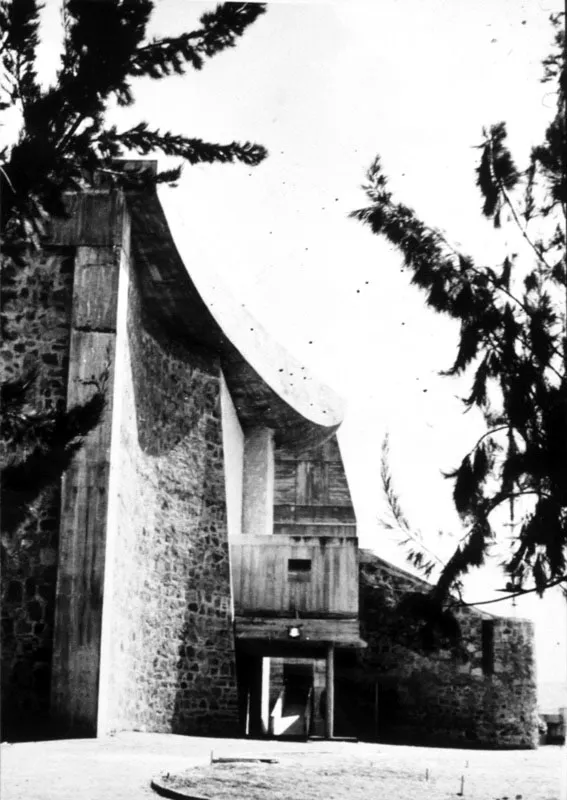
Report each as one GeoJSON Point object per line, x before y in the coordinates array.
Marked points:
{"type": "Point", "coordinates": [313, 776]}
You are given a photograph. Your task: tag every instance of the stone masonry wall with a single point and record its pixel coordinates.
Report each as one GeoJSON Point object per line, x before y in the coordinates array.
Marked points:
{"type": "Point", "coordinates": [171, 664]}
{"type": "Point", "coordinates": [482, 696]}
{"type": "Point", "coordinates": [35, 314]}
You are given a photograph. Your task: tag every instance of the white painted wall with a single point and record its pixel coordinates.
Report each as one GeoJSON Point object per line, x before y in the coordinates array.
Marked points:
{"type": "Point", "coordinates": [233, 445]}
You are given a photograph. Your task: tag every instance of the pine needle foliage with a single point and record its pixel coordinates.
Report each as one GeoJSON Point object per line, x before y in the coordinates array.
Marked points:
{"type": "Point", "coordinates": [418, 555]}
{"type": "Point", "coordinates": [65, 135]}
{"type": "Point", "coordinates": [64, 143]}
{"type": "Point", "coordinates": [40, 445]}
{"type": "Point", "coordinates": [427, 619]}
{"type": "Point", "coordinates": [512, 342]}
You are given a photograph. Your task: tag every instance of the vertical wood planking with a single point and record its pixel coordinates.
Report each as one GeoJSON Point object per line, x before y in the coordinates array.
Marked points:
{"type": "Point", "coordinates": [236, 570]}
{"type": "Point", "coordinates": [302, 479]}
{"type": "Point", "coordinates": [330, 686]}
{"type": "Point", "coordinates": [281, 572]}
{"type": "Point", "coordinates": [246, 575]}
{"type": "Point", "coordinates": [262, 580]}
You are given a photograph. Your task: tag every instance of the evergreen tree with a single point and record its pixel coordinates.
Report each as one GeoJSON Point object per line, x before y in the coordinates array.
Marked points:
{"type": "Point", "coordinates": [65, 136]}
{"type": "Point", "coordinates": [64, 142]}
{"type": "Point", "coordinates": [512, 338]}
{"type": "Point", "coordinates": [39, 445]}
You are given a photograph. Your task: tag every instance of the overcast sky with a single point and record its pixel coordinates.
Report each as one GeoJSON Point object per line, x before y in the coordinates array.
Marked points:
{"type": "Point", "coordinates": [326, 87]}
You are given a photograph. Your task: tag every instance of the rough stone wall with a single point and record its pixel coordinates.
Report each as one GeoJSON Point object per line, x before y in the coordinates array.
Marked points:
{"type": "Point", "coordinates": [35, 314]}
{"type": "Point", "coordinates": [482, 696]}
{"type": "Point", "coordinates": [171, 663]}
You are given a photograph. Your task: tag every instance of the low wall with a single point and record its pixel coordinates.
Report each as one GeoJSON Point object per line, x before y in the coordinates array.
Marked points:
{"type": "Point", "coordinates": [481, 694]}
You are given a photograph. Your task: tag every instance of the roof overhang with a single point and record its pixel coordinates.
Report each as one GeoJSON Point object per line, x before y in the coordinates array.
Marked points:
{"type": "Point", "coordinates": [268, 386]}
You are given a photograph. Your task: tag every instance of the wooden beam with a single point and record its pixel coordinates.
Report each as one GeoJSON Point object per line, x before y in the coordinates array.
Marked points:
{"type": "Point", "coordinates": [344, 632]}
{"type": "Point", "coordinates": [330, 686]}
{"type": "Point", "coordinates": [316, 536]}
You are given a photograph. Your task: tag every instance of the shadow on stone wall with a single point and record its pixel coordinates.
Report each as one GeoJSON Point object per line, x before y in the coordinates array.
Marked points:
{"type": "Point", "coordinates": [173, 649]}
{"type": "Point", "coordinates": [35, 319]}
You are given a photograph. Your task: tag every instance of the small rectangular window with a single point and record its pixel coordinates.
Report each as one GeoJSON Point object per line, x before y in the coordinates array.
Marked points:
{"type": "Point", "coordinates": [299, 565]}
{"type": "Point", "coordinates": [488, 646]}
{"type": "Point", "coordinates": [299, 569]}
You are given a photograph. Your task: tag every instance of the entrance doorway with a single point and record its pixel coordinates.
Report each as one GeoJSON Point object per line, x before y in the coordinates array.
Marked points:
{"type": "Point", "coordinates": [293, 708]}
{"type": "Point", "coordinates": [286, 695]}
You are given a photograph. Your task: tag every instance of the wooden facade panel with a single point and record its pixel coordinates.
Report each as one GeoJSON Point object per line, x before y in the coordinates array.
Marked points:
{"type": "Point", "coordinates": [328, 451]}
{"type": "Point", "coordinates": [284, 483]}
{"type": "Point", "coordinates": [303, 513]}
{"type": "Point", "coordinates": [257, 584]}
{"type": "Point", "coordinates": [322, 539]}
{"type": "Point", "coordinates": [312, 487]}
{"type": "Point", "coordinates": [319, 485]}
{"type": "Point", "coordinates": [315, 529]}
{"type": "Point", "coordinates": [264, 583]}
{"type": "Point", "coordinates": [339, 494]}
{"type": "Point", "coordinates": [302, 480]}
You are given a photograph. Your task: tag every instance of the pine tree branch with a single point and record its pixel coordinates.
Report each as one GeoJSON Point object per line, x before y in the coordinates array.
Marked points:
{"type": "Point", "coordinates": [502, 188]}
{"type": "Point", "coordinates": [415, 559]}
{"type": "Point", "coordinates": [472, 548]}
{"type": "Point", "coordinates": [55, 439]}
{"type": "Point", "coordinates": [419, 244]}
{"type": "Point", "coordinates": [195, 151]}
{"type": "Point", "coordinates": [219, 30]}
{"type": "Point", "coordinates": [67, 135]}
{"type": "Point", "coordinates": [485, 436]}
{"type": "Point", "coordinates": [433, 270]}
{"type": "Point", "coordinates": [549, 585]}
{"type": "Point", "coordinates": [6, 177]}
{"type": "Point", "coordinates": [466, 264]}
{"type": "Point", "coordinates": [516, 338]}
{"type": "Point", "coordinates": [504, 497]}
{"type": "Point", "coordinates": [21, 21]}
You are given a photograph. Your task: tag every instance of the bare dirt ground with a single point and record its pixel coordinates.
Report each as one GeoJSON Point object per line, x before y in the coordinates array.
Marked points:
{"type": "Point", "coordinates": [121, 767]}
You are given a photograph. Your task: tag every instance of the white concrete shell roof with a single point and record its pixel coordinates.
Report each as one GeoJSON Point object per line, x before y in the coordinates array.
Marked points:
{"type": "Point", "coordinates": [268, 385]}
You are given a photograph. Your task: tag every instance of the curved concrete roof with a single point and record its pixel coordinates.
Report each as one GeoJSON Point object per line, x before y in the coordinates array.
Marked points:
{"type": "Point", "coordinates": [268, 385]}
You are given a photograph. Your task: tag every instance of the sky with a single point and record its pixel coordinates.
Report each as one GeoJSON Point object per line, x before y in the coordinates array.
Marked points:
{"type": "Point", "coordinates": [326, 87]}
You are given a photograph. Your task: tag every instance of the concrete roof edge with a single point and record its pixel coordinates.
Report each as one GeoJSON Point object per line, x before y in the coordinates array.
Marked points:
{"type": "Point", "coordinates": [304, 410]}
